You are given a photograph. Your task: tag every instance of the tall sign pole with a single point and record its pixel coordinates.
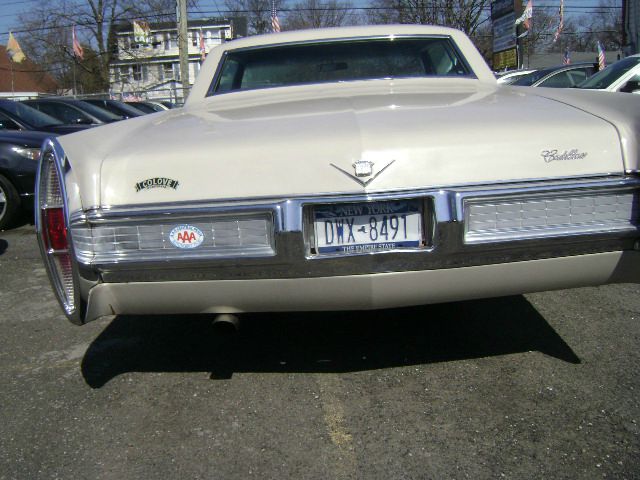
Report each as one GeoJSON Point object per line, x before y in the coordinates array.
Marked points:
{"type": "Point", "coordinates": [13, 90]}
{"type": "Point", "coordinates": [505, 46]}
{"type": "Point", "coordinates": [183, 46]}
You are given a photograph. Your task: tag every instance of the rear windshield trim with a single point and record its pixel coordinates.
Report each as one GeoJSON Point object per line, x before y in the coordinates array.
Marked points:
{"type": "Point", "coordinates": [217, 76]}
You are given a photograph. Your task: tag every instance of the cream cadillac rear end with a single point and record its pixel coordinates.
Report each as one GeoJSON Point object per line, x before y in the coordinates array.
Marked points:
{"type": "Point", "coordinates": [324, 186]}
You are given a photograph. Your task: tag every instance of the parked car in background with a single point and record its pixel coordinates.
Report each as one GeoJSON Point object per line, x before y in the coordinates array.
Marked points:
{"type": "Point", "coordinates": [69, 110]}
{"type": "Point", "coordinates": [117, 108]}
{"type": "Point", "coordinates": [563, 76]}
{"type": "Point", "coordinates": [344, 168]}
{"type": "Point", "coordinates": [18, 116]}
{"type": "Point", "coordinates": [622, 76]}
{"type": "Point", "coordinates": [145, 108]}
{"type": "Point", "coordinates": [507, 78]}
{"type": "Point", "coordinates": [148, 106]}
{"type": "Point", "coordinates": [19, 155]}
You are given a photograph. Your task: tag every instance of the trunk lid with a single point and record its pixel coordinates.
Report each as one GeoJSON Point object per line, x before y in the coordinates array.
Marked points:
{"type": "Point", "coordinates": [278, 144]}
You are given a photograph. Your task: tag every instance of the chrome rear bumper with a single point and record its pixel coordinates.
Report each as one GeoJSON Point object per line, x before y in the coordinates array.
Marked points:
{"type": "Point", "coordinates": [285, 273]}
{"type": "Point", "coordinates": [447, 244]}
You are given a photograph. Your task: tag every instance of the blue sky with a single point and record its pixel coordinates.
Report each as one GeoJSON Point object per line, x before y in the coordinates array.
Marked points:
{"type": "Point", "coordinates": [10, 9]}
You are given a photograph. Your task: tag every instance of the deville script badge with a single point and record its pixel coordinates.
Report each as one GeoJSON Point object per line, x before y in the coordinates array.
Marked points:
{"type": "Point", "coordinates": [363, 168]}
{"type": "Point", "coordinates": [157, 182]}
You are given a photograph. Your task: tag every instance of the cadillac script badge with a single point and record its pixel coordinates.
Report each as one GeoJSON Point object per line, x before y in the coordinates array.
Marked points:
{"type": "Point", "coordinates": [555, 155]}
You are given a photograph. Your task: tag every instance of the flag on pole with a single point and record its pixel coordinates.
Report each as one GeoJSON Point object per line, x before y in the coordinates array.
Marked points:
{"type": "Point", "coordinates": [141, 32]}
{"type": "Point", "coordinates": [13, 50]}
{"type": "Point", "coordinates": [556, 35]}
{"type": "Point", "coordinates": [78, 51]}
{"type": "Point", "coordinates": [275, 23]}
{"type": "Point", "coordinates": [566, 59]}
{"type": "Point", "coordinates": [526, 16]}
{"type": "Point", "coordinates": [203, 49]}
{"type": "Point", "coordinates": [601, 58]}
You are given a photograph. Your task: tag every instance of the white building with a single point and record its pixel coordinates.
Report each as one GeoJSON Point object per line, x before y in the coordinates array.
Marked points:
{"type": "Point", "coordinates": [147, 64]}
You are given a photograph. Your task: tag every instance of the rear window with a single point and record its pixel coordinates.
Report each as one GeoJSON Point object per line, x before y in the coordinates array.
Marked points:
{"type": "Point", "coordinates": [277, 66]}
{"type": "Point", "coordinates": [568, 78]}
{"type": "Point", "coordinates": [531, 78]}
{"type": "Point", "coordinates": [613, 72]}
{"type": "Point", "coordinates": [29, 115]}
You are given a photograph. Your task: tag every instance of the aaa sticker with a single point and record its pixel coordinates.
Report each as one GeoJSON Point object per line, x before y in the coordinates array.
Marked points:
{"type": "Point", "coordinates": [186, 236]}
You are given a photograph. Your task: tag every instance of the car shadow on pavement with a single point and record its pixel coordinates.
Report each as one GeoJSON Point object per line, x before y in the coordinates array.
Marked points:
{"type": "Point", "coordinates": [322, 341]}
{"type": "Point", "coordinates": [3, 246]}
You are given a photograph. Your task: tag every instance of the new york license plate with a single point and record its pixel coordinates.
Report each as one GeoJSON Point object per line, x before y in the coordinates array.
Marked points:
{"type": "Point", "coordinates": [368, 226]}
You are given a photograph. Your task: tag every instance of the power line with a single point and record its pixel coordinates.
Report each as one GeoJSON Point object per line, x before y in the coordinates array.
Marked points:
{"type": "Point", "coordinates": [89, 24]}
{"type": "Point", "coordinates": [21, 2]}
{"type": "Point", "coordinates": [349, 10]}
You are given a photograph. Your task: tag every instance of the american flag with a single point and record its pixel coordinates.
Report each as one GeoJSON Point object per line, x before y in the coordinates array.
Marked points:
{"type": "Point", "coordinates": [275, 23]}
{"type": "Point", "coordinates": [566, 59]}
{"type": "Point", "coordinates": [526, 16]}
{"type": "Point", "coordinates": [13, 50]}
{"type": "Point", "coordinates": [78, 51]}
{"type": "Point", "coordinates": [601, 59]}
{"type": "Point", "coordinates": [203, 49]}
{"type": "Point", "coordinates": [556, 35]}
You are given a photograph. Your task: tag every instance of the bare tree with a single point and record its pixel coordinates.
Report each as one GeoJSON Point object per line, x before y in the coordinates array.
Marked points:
{"type": "Point", "coordinates": [465, 15]}
{"type": "Point", "coordinates": [317, 14]}
{"type": "Point", "coordinates": [540, 36]}
{"type": "Point", "coordinates": [49, 24]}
{"type": "Point", "coordinates": [482, 38]}
{"type": "Point", "coordinates": [604, 23]}
{"type": "Point", "coordinates": [403, 11]}
{"type": "Point", "coordinates": [257, 13]}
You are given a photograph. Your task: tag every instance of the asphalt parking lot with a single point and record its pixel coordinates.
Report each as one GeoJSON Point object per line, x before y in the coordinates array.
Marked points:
{"type": "Point", "coordinates": [536, 386]}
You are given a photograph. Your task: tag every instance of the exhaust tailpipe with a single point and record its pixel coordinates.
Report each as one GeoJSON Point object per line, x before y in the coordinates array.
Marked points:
{"type": "Point", "coordinates": [226, 324]}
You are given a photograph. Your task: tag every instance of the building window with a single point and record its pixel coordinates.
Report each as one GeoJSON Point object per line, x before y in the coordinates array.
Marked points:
{"type": "Point", "coordinates": [137, 73]}
{"type": "Point", "coordinates": [194, 38]}
{"type": "Point", "coordinates": [167, 41]}
{"type": "Point", "coordinates": [167, 71]}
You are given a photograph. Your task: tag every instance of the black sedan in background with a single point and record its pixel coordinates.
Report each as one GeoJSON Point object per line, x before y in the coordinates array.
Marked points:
{"type": "Point", "coordinates": [19, 155]}
{"type": "Point", "coordinates": [18, 116]}
{"type": "Point", "coordinates": [562, 76]}
{"type": "Point", "coordinates": [151, 106]}
{"type": "Point", "coordinates": [69, 110]}
{"type": "Point", "coordinates": [117, 108]}
{"type": "Point", "coordinates": [147, 107]}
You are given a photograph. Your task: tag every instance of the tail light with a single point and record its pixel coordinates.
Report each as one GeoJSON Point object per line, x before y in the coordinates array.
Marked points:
{"type": "Point", "coordinates": [52, 230]}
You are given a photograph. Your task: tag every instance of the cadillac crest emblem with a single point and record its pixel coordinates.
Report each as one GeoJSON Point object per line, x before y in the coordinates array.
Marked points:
{"type": "Point", "coordinates": [364, 168]}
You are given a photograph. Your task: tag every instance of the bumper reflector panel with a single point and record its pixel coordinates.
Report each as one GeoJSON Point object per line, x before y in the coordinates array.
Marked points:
{"type": "Point", "coordinates": [128, 241]}
{"type": "Point", "coordinates": [539, 216]}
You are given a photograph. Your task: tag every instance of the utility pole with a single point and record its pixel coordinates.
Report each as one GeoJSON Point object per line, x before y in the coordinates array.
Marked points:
{"type": "Point", "coordinates": [183, 46]}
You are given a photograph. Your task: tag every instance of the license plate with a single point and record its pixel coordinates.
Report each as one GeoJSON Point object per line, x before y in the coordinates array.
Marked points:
{"type": "Point", "coordinates": [368, 227]}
